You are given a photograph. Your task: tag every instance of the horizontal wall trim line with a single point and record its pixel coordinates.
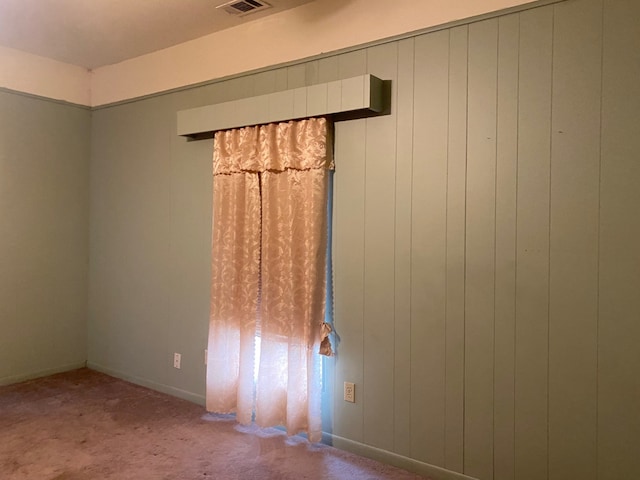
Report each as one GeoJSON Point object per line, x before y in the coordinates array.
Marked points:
{"type": "Point", "coordinates": [46, 99]}
{"type": "Point", "coordinates": [333, 53]}
{"type": "Point", "coordinates": [160, 387]}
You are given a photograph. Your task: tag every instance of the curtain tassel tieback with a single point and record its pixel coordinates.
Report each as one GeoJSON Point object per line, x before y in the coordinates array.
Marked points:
{"type": "Point", "coordinates": [325, 344]}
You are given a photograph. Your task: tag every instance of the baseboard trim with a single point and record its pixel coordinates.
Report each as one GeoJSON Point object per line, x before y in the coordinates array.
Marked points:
{"type": "Point", "coordinates": [41, 373]}
{"type": "Point", "coordinates": [384, 456]}
{"type": "Point", "coordinates": [161, 387]}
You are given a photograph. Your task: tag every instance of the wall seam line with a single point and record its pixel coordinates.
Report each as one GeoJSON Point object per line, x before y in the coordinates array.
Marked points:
{"type": "Point", "coordinates": [553, 25]}
{"type": "Point", "coordinates": [597, 399]}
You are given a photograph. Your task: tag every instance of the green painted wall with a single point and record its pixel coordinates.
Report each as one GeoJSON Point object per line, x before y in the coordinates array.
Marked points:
{"type": "Point", "coordinates": [150, 241]}
{"type": "Point", "coordinates": [485, 245]}
{"type": "Point", "coordinates": [44, 227]}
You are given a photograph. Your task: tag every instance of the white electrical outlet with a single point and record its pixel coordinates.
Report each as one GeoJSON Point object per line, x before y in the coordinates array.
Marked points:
{"type": "Point", "coordinates": [206, 355]}
{"type": "Point", "coordinates": [177, 358]}
{"type": "Point", "coordinates": [349, 392]}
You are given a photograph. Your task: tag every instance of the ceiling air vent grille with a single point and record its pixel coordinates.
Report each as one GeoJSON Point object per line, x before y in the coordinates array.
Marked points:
{"type": "Point", "coordinates": [243, 7]}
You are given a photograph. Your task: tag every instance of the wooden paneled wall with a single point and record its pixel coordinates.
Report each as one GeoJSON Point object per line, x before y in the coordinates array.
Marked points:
{"type": "Point", "coordinates": [473, 246]}
{"type": "Point", "coordinates": [486, 244]}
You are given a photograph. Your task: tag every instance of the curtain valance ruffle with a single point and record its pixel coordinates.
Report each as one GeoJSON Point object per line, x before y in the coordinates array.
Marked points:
{"type": "Point", "coordinates": [298, 145]}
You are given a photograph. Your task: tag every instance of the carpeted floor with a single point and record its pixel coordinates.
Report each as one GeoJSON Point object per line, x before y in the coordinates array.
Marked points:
{"type": "Point", "coordinates": [83, 425]}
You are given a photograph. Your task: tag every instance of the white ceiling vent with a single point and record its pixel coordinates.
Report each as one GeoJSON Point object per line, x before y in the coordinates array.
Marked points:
{"type": "Point", "coordinates": [243, 7]}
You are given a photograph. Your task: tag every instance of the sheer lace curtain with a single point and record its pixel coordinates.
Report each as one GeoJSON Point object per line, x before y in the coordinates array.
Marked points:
{"type": "Point", "coordinates": [269, 274]}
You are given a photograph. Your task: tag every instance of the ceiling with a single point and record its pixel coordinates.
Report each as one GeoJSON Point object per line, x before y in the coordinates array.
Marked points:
{"type": "Point", "coordinates": [93, 33]}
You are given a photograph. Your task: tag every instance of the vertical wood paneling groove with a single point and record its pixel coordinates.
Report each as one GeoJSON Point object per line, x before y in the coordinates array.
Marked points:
{"type": "Point", "coordinates": [379, 259]}
{"type": "Point", "coordinates": [480, 249]}
{"type": "Point", "coordinates": [352, 64]}
{"type": "Point", "coordinates": [574, 239]}
{"type": "Point", "coordinates": [349, 205]}
{"type": "Point", "coordinates": [348, 235]}
{"type": "Point", "coordinates": [402, 272]}
{"type": "Point", "coordinates": [282, 79]}
{"type": "Point", "coordinates": [551, 175]}
{"type": "Point", "coordinates": [235, 89]}
{"type": "Point", "coordinates": [455, 249]}
{"type": "Point", "coordinates": [532, 283]}
{"type": "Point", "coordinates": [619, 260]}
{"type": "Point", "coordinates": [311, 73]}
{"type": "Point", "coordinates": [428, 252]}
{"type": "Point", "coordinates": [599, 240]}
{"type": "Point", "coordinates": [328, 69]}
{"type": "Point", "coordinates": [296, 76]}
{"type": "Point", "coordinates": [505, 249]}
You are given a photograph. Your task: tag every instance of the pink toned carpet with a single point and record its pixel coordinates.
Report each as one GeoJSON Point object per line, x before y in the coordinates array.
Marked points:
{"type": "Point", "coordinates": [83, 425]}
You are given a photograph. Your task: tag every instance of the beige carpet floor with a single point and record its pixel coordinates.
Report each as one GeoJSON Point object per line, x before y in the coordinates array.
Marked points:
{"type": "Point", "coordinates": [84, 425]}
